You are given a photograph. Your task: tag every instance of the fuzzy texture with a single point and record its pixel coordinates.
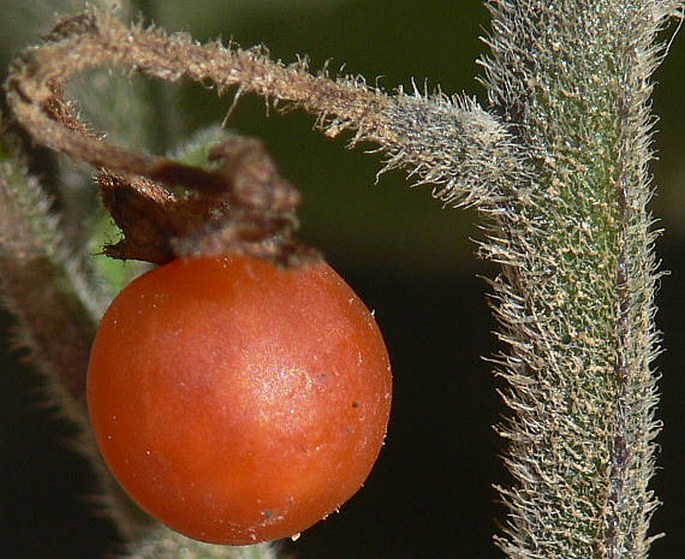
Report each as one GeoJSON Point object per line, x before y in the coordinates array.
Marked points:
{"type": "Point", "coordinates": [162, 543]}
{"type": "Point", "coordinates": [575, 299]}
{"type": "Point", "coordinates": [43, 283]}
{"type": "Point", "coordinates": [559, 167]}
{"type": "Point", "coordinates": [449, 142]}
{"type": "Point", "coordinates": [57, 301]}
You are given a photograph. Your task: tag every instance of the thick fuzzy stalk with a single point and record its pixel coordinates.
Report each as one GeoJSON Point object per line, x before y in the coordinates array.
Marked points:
{"type": "Point", "coordinates": [575, 298]}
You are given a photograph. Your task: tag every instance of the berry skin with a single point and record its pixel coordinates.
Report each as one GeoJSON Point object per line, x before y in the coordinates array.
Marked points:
{"type": "Point", "coordinates": [239, 402]}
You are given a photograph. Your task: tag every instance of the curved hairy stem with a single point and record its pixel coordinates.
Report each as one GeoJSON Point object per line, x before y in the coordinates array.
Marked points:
{"type": "Point", "coordinates": [448, 142]}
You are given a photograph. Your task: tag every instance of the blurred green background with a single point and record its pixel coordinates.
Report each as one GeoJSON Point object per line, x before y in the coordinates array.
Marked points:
{"type": "Point", "coordinates": [430, 494]}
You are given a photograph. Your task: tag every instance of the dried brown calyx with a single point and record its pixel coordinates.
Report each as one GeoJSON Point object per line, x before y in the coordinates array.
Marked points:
{"type": "Point", "coordinates": [242, 205]}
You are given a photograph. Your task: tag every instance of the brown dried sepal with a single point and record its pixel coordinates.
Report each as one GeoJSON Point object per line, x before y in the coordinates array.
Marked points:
{"type": "Point", "coordinates": [242, 205]}
{"type": "Point", "coordinates": [149, 216]}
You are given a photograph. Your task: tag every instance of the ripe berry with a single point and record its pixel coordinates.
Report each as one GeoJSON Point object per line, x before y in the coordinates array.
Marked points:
{"type": "Point", "coordinates": [236, 401]}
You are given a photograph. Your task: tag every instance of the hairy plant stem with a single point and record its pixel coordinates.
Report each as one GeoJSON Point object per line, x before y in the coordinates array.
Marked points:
{"type": "Point", "coordinates": [559, 169]}
{"type": "Point", "coordinates": [43, 284]}
{"type": "Point", "coordinates": [57, 301]}
{"type": "Point", "coordinates": [163, 543]}
{"type": "Point", "coordinates": [448, 142]}
{"type": "Point", "coordinates": [575, 299]}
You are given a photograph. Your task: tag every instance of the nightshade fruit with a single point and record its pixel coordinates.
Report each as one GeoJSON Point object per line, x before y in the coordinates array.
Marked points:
{"type": "Point", "coordinates": [236, 401]}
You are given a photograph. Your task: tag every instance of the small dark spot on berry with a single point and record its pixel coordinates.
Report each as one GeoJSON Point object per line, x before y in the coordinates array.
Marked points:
{"type": "Point", "coordinates": [355, 404]}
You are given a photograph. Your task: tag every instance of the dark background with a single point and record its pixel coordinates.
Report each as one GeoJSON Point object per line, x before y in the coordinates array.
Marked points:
{"type": "Point", "coordinates": [430, 494]}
